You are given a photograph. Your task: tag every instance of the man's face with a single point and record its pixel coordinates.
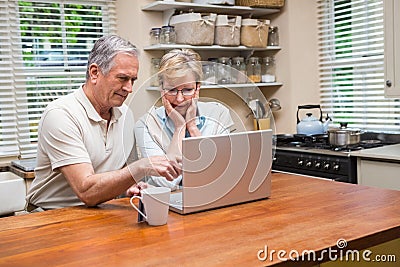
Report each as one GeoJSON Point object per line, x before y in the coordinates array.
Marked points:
{"type": "Point", "coordinates": [180, 92]}
{"type": "Point", "coordinates": [113, 88]}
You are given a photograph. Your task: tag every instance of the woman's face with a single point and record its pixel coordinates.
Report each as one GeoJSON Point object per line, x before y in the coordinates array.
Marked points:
{"type": "Point", "coordinates": [179, 92]}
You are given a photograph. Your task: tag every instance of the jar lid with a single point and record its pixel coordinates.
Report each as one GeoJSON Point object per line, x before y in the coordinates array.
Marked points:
{"type": "Point", "coordinates": [254, 58]}
{"type": "Point", "coordinates": [223, 59]}
{"type": "Point", "coordinates": [268, 59]}
{"type": "Point", "coordinates": [238, 58]}
{"type": "Point", "coordinates": [347, 130]}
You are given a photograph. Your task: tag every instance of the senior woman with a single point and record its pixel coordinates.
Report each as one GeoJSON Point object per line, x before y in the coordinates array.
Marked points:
{"type": "Point", "coordinates": [161, 130]}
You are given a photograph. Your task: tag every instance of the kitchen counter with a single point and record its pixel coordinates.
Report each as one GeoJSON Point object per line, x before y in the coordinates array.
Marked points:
{"type": "Point", "coordinates": [389, 152]}
{"type": "Point", "coordinates": [379, 166]}
{"type": "Point", "coordinates": [302, 214]}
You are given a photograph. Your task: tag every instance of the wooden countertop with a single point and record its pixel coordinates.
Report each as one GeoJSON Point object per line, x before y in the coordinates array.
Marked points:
{"type": "Point", "coordinates": [22, 173]}
{"type": "Point", "coordinates": [302, 214]}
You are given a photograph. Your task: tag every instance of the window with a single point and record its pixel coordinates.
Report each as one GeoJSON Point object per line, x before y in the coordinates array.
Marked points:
{"type": "Point", "coordinates": [351, 65]}
{"type": "Point", "coordinates": [44, 47]}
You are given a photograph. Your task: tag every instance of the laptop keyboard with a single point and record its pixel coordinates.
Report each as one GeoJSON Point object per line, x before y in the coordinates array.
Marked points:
{"type": "Point", "coordinates": [175, 200]}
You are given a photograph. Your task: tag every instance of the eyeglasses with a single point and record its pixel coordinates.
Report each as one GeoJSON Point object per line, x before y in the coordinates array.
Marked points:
{"type": "Point", "coordinates": [184, 91]}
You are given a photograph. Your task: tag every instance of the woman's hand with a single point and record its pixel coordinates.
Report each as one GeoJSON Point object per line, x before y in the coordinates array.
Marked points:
{"type": "Point", "coordinates": [191, 113]}
{"type": "Point", "coordinates": [175, 116]}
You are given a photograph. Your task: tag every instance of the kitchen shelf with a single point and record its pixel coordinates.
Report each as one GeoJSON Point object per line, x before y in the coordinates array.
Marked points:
{"type": "Point", "coordinates": [209, 47]}
{"type": "Point", "coordinates": [169, 8]}
{"type": "Point", "coordinates": [229, 10]}
{"type": "Point", "coordinates": [232, 86]}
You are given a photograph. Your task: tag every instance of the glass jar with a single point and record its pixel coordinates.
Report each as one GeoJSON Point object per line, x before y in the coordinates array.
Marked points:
{"type": "Point", "coordinates": [273, 36]}
{"type": "Point", "coordinates": [224, 70]}
{"type": "Point", "coordinates": [155, 66]}
{"type": "Point", "coordinates": [168, 35]}
{"type": "Point", "coordinates": [254, 69]}
{"type": "Point", "coordinates": [209, 73]}
{"type": "Point", "coordinates": [240, 75]}
{"type": "Point", "coordinates": [268, 70]}
{"type": "Point", "coordinates": [155, 35]}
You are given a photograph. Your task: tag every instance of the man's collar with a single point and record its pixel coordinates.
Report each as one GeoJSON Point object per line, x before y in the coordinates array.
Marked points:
{"type": "Point", "coordinates": [91, 111]}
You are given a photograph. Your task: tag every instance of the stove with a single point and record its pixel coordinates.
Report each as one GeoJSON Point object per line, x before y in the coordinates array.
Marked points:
{"type": "Point", "coordinates": [314, 156]}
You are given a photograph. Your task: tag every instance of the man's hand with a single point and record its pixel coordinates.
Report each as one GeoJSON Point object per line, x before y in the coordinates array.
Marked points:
{"type": "Point", "coordinates": [155, 166]}
{"type": "Point", "coordinates": [135, 189]}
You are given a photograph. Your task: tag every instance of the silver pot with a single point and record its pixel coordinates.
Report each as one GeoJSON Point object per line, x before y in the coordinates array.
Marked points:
{"type": "Point", "coordinates": [344, 136]}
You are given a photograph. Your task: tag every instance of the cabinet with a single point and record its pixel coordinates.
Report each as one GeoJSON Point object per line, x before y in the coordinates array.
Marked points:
{"type": "Point", "coordinates": [392, 48]}
{"type": "Point", "coordinates": [169, 8]}
{"type": "Point", "coordinates": [378, 173]}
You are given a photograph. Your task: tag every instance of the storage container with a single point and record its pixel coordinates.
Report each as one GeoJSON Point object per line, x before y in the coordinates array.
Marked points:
{"type": "Point", "coordinates": [261, 3]}
{"type": "Point", "coordinates": [254, 69]}
{"type": "Point", "coordinates": [254, 32]}
{"type": "Point", "coordinates": [224, 75]}
{"type": "Point", "coordinates": [273, 36]}
{"type": "Point", "coordinates": [155, 35]}
{"type": "Point", "coordinates": [168, 35]}
{"type": "Point", "coordinates": [194, 28]}
{"type": "Point", "coordinates": [227, 30]}
{"type": "Point", "coordinates": [268, 70]}
{"type": "Point", "coordinates": [155, 67]}
{"type": "Point", "coordinates": [209, 75]}
{"type": "Point", "coordinates": [239, 75]}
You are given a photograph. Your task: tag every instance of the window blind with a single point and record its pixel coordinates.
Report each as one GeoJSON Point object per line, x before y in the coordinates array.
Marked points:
{"type": "Point", "coordinates": [49, 44]}
{"type": "Point", "coordinates": [351, 65]}
{"type": "Point", "coordinates": [8, 114]}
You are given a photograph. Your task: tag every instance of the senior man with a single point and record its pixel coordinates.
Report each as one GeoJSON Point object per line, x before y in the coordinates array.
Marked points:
{"type": "Point", "coordinates": [86, 138]}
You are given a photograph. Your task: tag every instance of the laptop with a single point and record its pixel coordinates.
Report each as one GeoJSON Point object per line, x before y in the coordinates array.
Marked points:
{"type": "Point", "coordinates": [224, 170]}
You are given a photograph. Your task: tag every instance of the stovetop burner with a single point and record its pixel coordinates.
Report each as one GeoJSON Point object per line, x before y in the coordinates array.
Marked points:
{"type": "Point", "coordinates": [314, 156]}
{"type": "Point", "coordinates": [322, 142]}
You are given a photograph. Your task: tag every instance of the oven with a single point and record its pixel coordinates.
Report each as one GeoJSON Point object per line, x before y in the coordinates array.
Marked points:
{"type": "Point", "coordinates": [318, 163]}
{"type": "Point", "coordinates": [314, 156]}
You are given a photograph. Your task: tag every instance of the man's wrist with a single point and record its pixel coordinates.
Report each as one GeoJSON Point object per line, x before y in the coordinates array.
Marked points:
{"type": "Point", "coordinates": [135, 171]}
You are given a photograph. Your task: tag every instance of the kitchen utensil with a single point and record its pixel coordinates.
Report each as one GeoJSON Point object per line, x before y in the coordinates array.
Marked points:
{"type": "Point", "coordinates": [260, 109]}
{"type": "Point", "coordinates": [343, 136]}
{"type": "Point", "coordinates": [259, 112]}
{"type": "Point", "coordinates": [311, 125]}
{"type": "Point", "coordinates": [261, 123]}
{"type": "Point", "coordinates": [274, 104]}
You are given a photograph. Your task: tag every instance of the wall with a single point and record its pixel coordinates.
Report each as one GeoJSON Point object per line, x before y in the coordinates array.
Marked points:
{"type": "Point", "coordinates": [297, 65]}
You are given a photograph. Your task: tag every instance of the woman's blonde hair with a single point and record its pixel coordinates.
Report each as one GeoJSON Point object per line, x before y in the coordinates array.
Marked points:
{"type": "Point", "coordinates": [178, 63]}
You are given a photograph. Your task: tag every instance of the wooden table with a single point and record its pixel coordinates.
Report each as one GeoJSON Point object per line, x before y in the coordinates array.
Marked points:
{"type": "Point", "coordinates": [302, 214]}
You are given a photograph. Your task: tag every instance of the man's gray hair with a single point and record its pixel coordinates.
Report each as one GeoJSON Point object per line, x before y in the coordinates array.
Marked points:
{"type": "Point", "coordinates": [105, 49]}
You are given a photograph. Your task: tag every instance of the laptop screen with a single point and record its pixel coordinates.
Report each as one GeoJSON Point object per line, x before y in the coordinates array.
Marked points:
{"type": "Point", "coordinates": [226, 169]}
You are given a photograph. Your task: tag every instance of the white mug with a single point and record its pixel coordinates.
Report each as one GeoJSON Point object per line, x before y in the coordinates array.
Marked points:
{"type": "Point", "coordinates": [156, 204]}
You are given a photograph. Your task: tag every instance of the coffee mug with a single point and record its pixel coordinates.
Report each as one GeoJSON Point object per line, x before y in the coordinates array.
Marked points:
{"type": "Point", "coordinates": [156, 204]}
